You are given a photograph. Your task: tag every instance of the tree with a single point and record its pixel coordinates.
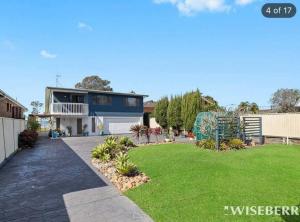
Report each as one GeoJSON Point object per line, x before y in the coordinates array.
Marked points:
{"type": "Point", "coordinates": [190, 107]}
{"type": "Point", "coordinates": [244, 107]}
{"type": "Point", "coordinates": [254, 108]}
{"type": "Point", "coordinates": [36, 106]}
{"type": "Point", "coordinates": [94, 82]}
{"type": "Point", "coordinates": [210, 104]}
{"type": "Point", "coordinates": [160, 112]}
{"type": "Point", "coordinates": [285, 100]}
{"type": "Point", "coordinates": [174, 113]}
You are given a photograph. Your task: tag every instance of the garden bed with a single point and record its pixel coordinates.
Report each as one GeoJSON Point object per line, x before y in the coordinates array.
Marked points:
{"type": "Point", "coordinates": [123, 183]}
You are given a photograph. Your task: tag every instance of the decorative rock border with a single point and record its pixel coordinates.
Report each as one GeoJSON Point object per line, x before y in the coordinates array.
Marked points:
{"type": "Point", "coordinates": [123, 183]}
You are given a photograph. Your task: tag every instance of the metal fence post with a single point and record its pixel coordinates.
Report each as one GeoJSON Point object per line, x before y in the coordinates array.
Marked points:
{"type": "Point", "coordinates": [260, 130]}
{"type": "Point", "coordinates": [217, 135]}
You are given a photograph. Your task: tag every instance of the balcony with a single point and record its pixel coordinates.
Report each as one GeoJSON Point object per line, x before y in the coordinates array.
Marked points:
{"type": "Point", "coordinates": [72, 109]}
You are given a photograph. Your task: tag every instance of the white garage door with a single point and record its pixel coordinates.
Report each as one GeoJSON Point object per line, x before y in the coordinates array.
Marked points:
{"type": "Point", "coordinates": [119, 125]}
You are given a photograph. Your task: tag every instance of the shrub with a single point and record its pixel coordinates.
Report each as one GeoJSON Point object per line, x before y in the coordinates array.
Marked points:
{"type": "Point", "coordinates": [27, 138]}
{"type": "Point", "coordinates": [126, 141]}
{"type": "Point", "coordinates": [236, 144]}
{"type": "Point", "coordinates": [109, 149]}
{"type": "Point", "coordinates": [224, 146]}
{"type": "Point", "coordinates": [124, 166]}
{"type": "Point", "coordinates": [207, 144]}
{"type": "Point", "coordinates": [146, 131]}
{"type": "Point", "coordinates": [33, 125]}
{"type": "Point", "coordinates": [136, 130]}
{"type": "Point", "coordinates": [101, 152]}
{"type": "Point", "coordinates": [156, 132]}
{"type": "Point", "coordinates": [110, 139]}
{"type": "Point", "coordinates": [113, 147]}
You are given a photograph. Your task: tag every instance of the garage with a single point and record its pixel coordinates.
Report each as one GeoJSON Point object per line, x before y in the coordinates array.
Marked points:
{"type": "Point", "coordinates": [120, 125]}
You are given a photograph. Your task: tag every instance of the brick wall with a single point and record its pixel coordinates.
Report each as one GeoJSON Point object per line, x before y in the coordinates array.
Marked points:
{"type": "Point", "coordinates": [10, 110]}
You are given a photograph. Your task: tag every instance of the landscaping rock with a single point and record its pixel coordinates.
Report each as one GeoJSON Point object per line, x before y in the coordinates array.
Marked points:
{"type": "Point", "coordinates": [123, 183]}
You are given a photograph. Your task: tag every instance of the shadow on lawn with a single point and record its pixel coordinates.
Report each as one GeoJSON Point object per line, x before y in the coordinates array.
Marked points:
{"type": "Point", "coordinates": [291, 218]}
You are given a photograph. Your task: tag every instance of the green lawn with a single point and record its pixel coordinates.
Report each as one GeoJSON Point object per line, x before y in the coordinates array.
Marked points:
{"type": "Point", "coordinates": [191, 184]}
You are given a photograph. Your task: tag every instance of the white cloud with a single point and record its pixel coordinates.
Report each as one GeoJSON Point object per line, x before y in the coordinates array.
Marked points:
{"type": "Point", "coordinates": [8, 44]}
{"type": "Point", "coordinates": [85, 26]}
{"type": "Point", "coordinates": [244, 2]}
{"type": "Point", "coordinates": [47, 55]}
{"type": "Point", "coordinates": [189, 7]}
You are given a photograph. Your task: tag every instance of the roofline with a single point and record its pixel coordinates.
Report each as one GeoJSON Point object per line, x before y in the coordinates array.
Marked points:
{"type": "Point", "coordinates": [92, 90]}
{"type": "Point", "coordinates": [5, 95]}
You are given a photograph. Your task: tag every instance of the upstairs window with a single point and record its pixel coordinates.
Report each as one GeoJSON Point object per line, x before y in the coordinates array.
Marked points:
{"type": "Point", "coordinates": [102, 100]}
{"type": "Point", "coordinates": [132, 101]}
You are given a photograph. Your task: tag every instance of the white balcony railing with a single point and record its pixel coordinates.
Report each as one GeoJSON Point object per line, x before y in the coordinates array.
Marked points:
{"type": "Point", "coordinates": [70, 109]}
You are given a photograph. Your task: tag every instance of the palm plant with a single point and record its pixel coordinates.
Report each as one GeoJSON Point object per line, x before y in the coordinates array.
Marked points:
{"type": "Point", "coordinates": [146, 131]}
{"type": "Point", "coordinates": [136, 130]}
{"type": "Point", "coordinates": [156, 132]}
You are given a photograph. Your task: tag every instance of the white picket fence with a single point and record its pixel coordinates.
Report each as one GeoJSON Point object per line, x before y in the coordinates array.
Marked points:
{"type": "Point", "coordinates": [9, 132]}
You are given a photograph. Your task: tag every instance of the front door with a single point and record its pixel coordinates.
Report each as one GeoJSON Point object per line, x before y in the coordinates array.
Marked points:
{"type": "Point", "coordinates": [79, 126]}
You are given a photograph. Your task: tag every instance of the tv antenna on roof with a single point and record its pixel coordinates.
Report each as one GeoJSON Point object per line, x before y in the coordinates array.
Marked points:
{"type": "Point", "coordinates": [57, 80]}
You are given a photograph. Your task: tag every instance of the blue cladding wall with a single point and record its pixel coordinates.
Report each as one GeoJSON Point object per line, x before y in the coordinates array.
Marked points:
{"type": "Point", "coordinates": [118, 105]}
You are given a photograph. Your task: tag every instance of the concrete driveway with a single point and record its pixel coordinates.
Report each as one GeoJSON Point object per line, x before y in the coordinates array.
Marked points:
{"type": "Point", "coordinates": [55, 182]}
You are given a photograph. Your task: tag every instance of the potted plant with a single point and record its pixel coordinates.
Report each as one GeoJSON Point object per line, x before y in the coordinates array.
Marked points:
{"type": "Point", "coordinates": [84, 130]}
{"type": "Point", "coordinates": [69, 128]}
{"type": "Point", "coordinates": [101, 129]}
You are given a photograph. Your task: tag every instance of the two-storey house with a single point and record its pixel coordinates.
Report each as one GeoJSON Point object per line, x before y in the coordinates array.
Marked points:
{"type": "Point", "coordinates": [76, 108]}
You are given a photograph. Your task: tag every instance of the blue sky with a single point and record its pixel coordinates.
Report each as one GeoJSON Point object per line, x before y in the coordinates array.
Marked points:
{"type": "Point", "coordinates": [227, 49]}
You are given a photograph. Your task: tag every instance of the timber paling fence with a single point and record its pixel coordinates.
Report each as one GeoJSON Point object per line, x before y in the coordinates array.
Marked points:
{"type": "Point", "coordinates": [9, 133]}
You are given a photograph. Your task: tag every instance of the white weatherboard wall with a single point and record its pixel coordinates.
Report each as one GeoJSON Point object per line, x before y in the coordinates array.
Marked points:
{"type": "Point", "coordinates": [9, 133]}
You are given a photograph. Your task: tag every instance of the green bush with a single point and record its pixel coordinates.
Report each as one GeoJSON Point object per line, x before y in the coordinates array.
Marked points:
{"type": "Point", "coordinates": [224, 146]}
{"type": "Point", "coordinates": [207, 144]}
{"type": "Point", "coordinates": [110, 138]}
{"type": "Point", "coordinates": [124, 166]}
{"type": "Point", "coordinates": [126, 141]}
{"type": "Point", "coordinates": [33, 125]}
{"type": "Point", "coordinates": [236, 144]}
{"type": "Point", "coordinates": [101, 152]}
{"type": "Point", "coordinates": [109, 149]}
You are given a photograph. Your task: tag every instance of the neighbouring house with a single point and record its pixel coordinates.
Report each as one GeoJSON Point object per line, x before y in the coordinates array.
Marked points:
{"type": "Point", "coordinates": [148, 111]}
{"type": "Point", "coordinates": [10, 107]}
{"type": "Point", "coordinates": [112, 112]}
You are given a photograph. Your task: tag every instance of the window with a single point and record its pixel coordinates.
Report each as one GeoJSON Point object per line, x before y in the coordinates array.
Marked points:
{"type": "Point", "coordinates": [102, 100]}
{"type": "Point", "coordinates": [7, 107]}
{"type": "Point", "coordinates": [132, 101]}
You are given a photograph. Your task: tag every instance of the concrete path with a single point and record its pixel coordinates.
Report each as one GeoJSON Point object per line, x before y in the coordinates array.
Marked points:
{"type": "Point", "coordinates": [55, 182]}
